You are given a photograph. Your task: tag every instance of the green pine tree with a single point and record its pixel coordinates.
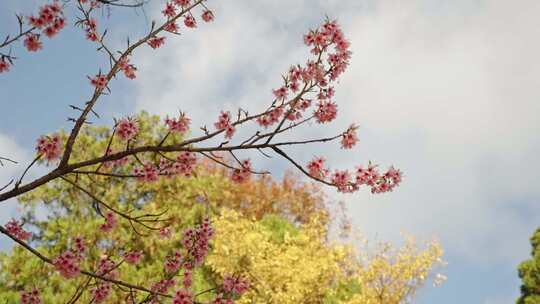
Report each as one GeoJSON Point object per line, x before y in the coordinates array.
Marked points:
{"type": "Point", "coordinates": [529, 272]}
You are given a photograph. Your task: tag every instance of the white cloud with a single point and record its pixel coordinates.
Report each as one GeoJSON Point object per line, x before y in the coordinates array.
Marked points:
{"type": "Point", "coordinates": [447, 91]}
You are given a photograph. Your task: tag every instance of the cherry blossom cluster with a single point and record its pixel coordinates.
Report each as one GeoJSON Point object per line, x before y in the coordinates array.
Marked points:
{"type": "Point", "coordinates": [184, 164]}
{"type": "Point", "coordinates": [242, 174]}
{"type": "Point", "coordinates": [163, 285]}
{"type": "Point", "coordinates": [15, 229]}
{"type": "Point", "coordinates": [171, 10]}
{"type": "Point", "coordinates": [4, 64]}
{"type": "Point", "coordinates": [147, 173]}
{"type": "Point", "coordinates": [50, 20]}
{"type": "Point", "coordinates": [195, 241]}
{"type": "Point", "coordinates": [30, 297]}
{"type": "Point", "coordinates": [225, 123]}
{"type": "Point", "coordinates": [115, 163]}
{"type": "Point", "coordinates": [180, 124]}
{"type": "Point", "coordinates": [110, 222]}
{"type": "Point", "coordinates": [133, 257]}
{"type": "Point", "coordinates": [173, 262]}
{"type": "Point", "coordinates": [99, 81]}
{"type": "Point", "coordinates": [183, 296]}
{"type": "Point", "coordinates": [349, 138]}
{"type": "Point", "coordinates": [316, 168]}
{"type": "Point", "coordinates": [101, 292]}
{"type": "Point", "coordinates": [90, 27]}
{"type": "Point", "coordinates": [49, 146]}
{"type": "Point", "coordinates": [127, 68]}
{"type": "Point", "coordinates": [127, 129]}
{"type": "Point", "coordinates": [235, 285]}
{"type": "Point", "coordinates": [68, 264]}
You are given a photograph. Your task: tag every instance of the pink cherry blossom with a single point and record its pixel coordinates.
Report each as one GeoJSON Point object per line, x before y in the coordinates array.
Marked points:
{"type": "Point", "coordinates": [173, 262]}
{"type": "Point", "coordinates": [188, 278]}
{"type": "Point", "coordinates": [4, 65]}
{"type": "Point", "coordinates": [349, 138]}
{"type": "Point", "coordinates": [165, 233]}
{"type": "Point", "coordinates": [99, 81]}
{"type": "Point", "coordinates": [171, 27]}
{"type": "Point", "coordinates": [280, 93]}
{"type": "Point", "coordinates": [326, 111]}
{"type": "Point", "coordinates": [316, 167]}
{"type": "Point", "coordinates": [180, 124]}
{"type": "Point", "coordinates": [170, 10]}
{"type": "Point", "coordinates": [182, 3]}
{"type": "Point", "coordinates": [182, 296]}
{"type": "Point", "coordinates": [30, 297]}
{"type": "Point", "coordinates": [207, 16]}
{"type": "Point", "coordinates": [156, 42]}
{"type": "Point", "coordinates": [50, 147]}
{"type": "Point", "coordinates": [163, 285]}
{"type": "Point", "coordinates": [243, 174]}
{"type": "Point", "coordinates": [133, 257]}
{"type": "Point", "coordinates": [101, 292]}
{"type": "Point", "coordinates": [148, 173]}
{"type": "Point", "coordinates": [79, 246]}
{"type": "Point", "coordinates": [110, 222]}
{"type": "Point", "coordinates": [15, 229]}
{"type": "Point", "coordinates": [235, 285]}
{"type": "Point", "coordinates": [224, 123]}
{"type": "Point", "coordinates": [127, 129]}
{"type": "Point", "coordinates": [190, 22]}
{"type": "Point", "coordinates": [67, 264]}
{"type": "Point", "coordinates": [32, 43]}
{"type": "Point", "coordinates": [127, 68]}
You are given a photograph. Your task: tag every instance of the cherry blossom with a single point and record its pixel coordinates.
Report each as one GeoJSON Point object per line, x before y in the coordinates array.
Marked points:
{"type": "Point", "coordinates": [182, 296]}
{"type": "Point", "coordinates": [4, 65]}
{"type": "Point", "coordinates": [49, 147]}
{"type": "Point", "coordinates": [180, 124]}
{"type": "Point", "coordinates": [148, 173]}
{"type": "Point", "coordinates": [326, 111]}
{"type": "Point", "coordinates": [133, 257]}
{"type": "Point", "coordinates": [156, 42]}
{"type": "Point", "coordinates": [280, 93]}
{"type": "Point", "coordinates": [127, 68]}
{"type": "Point", "coordinates": [243, 174]}
{"type": "Point", "coordinates": [99, 81]}
{"type": "Point", "coordinates": [207, 16]}
{"type": "Point", "coordinates": [127, 129]}
{"type": "Point", "coordinates": [182, 3]}
{"type": "Point", "coordinates": [15, 229]}
{"type": "Point", "coordinates": [110, 222]}
{"type": "Point", "coordinates": [101, 292]}
{"type": "Point", "coordinates": [32, 43]}
{"type": "Point", "coordinates": [30, 297]}
{"type": "Point", "coordinates": [316, 167]}
{"type": "Point", "coordinates": [224, 123]}
{"type": "Point", "coordinates": [190, 22]}
{"type": "Point", "coordinates": [349, 138]}
{"type": "Point", "coordinates": [235, 285]}
{"type": "Point", "coordinates": [173, 262]}
{"type": "Point", "coordinates": [170, 10]}
{"type": "Point", "coordinates": [67, 264]}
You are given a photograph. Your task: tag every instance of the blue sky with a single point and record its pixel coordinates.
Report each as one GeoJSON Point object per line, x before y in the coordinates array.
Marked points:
{"type": "Point", "coordinates": [445, 90]}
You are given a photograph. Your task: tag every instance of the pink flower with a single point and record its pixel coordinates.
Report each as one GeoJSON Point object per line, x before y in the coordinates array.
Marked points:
{"type": "Point", "coordinates": [15, 229]}
{"type": "Point", "coordinates": [171, 27]}
{"type": "Point", "coordinates": [170, 10]}
{"type": "Point", "coordinates": [316, 167]}
{"type": "Point", "coordinates": [32, 43]}
{"type": "Point", "coordinates": [188, 278]}
{"type": "Point", "coordinates": [4, 65]}
{"type": "Point", "coordinates": [133, 257]}
{"type": "Point", "coordinates": [165, 233]}
{"type": "Point", "coordinates": [110, 222]}
{"type": "Point", "coordinates": [185, 164]}
{"type": "Point", "coordinates": [235, 285]}
{"type": "Point", "coordinates": [163, 285]}
{"type": "Point", "coordinates": [127, 68]}
{"type": "Point", "coordinates": [67, 264]}
{"type": "Point", "coordinates": [127, 129]}
{"type": "Point", "coordinates": [182, 3]}
{"type": "Point", "coordinates": [349, 138]}
{"type": "Point", "coordinates": [156, 42]}
{"type": "Point", "coordinates": [224, 123]}
{"type": "Point", "coordinates": [190, 22]}
{"type": "Point", "coordinates": [271, 117]}
{"type": "Point", "coordinates": [207, 16]}
{"type": "Point", "coordinates": [30, 297]}
{"type": "Point", "coordinates": [182, 296]}
{"type": "Point", "coordinates": [280, 93]}
{"type": "Point", "coordinates": [49, 147]}
{"type": "Point", "coordinates": [196, 241]}
{"type": "Point", "coordinates": [79, 246]}
{"type": "Point", "coordinates": [107, 268]}
{"type": "Point", "coordinates": [101, 292]}
{"type": "Point", "coordinates": [243, 174]}
{"type": "Point", "coordinates": [99, 81]}
{"type": "Point", "coordinates": [342, 180]}
{"type": "Point", "coordinates": [326, 111]}
{"type": "Point", "coordinates": [173, 262]}
{"type": "Point", "coordinates": [180, 124]}
{"type": "Point", "coordinates": [148, 173]}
